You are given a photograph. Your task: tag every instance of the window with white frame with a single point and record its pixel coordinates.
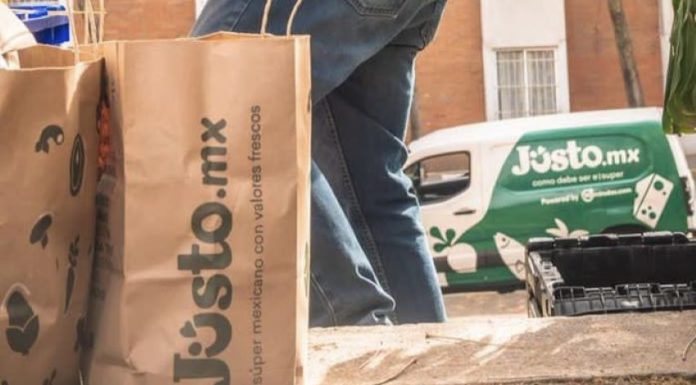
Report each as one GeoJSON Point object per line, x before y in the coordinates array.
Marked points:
{"type": "Point", "coordinates": [526, 82]}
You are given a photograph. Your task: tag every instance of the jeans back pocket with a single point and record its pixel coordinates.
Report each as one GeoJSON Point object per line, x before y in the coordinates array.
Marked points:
{"type": "Point", "coordinates": [385, 8]}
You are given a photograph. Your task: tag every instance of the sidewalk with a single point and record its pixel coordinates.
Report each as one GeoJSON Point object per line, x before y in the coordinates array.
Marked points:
{"type": "Point", "coordinates": [509, 349]}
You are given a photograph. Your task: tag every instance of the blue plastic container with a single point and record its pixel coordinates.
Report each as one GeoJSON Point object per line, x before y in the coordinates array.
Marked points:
{"type": "Point", "coordinates": [47, 29]}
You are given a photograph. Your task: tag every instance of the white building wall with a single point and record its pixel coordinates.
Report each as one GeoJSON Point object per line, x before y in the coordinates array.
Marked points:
{"type": "Point", "coordinates": [666, 20]}
{"type": "Point", "coordinates": [523, 24]}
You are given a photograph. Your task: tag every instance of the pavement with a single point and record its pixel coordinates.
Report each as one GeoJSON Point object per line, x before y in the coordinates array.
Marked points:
{"type": "Point", "coordinates": [495, 349]}
{"type": "Point", "coordinates": [490, 340]}
{"type": "Point", "coordinates": [468, 304]}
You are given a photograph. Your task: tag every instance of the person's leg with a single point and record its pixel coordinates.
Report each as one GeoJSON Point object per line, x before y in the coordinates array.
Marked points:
{"type": "Point", "coordinates": [344, 288]}
{"type": "Point", "coordinates": [345, 33]}
{"type": "Point", "coordinates": [358, 142]}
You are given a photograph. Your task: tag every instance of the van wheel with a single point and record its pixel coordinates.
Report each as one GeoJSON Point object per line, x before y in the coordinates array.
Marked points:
{"type": "Point", "coordinates": [626, 229]}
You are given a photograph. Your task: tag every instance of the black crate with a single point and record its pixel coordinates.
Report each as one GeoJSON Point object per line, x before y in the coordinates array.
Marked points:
{"type": "Point", "coordinates": [611, 273]}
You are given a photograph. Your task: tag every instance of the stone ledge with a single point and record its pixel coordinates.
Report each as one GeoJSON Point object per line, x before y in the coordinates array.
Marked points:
{"type": "Point", "coordinates": [508, 350]}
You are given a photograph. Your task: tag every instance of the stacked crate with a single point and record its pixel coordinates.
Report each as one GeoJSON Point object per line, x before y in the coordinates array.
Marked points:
{"type": "Point", "coordinates": [605, 274]}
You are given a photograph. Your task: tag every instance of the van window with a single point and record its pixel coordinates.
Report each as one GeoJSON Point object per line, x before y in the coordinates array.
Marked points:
{"type": "Point", "coordinates": [441, 177]}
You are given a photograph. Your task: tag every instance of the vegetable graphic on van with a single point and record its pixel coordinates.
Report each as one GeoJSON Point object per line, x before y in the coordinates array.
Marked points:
{"type": "Point", "coordinates": [486, 189]}
{"type": "Point", "coordinates": [444, 241]}
{"type": "Point", "coordinates": [462, 257]}
{"type": "Point", "coordinates": [561, 231]}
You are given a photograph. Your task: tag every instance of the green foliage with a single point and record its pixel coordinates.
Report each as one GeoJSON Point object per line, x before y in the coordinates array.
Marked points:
{"type": "Point", "coordinates": [680, 95]}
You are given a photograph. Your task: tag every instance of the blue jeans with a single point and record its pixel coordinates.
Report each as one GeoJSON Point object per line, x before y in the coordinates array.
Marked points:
{"type": "Point", "coordinates": [370, 260]}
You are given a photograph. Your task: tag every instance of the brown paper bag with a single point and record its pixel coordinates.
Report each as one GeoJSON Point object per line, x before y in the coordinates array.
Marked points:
{"type": "Point", "coordinates": [48, 177]}
{"type": "Point", "coordinates": [202, 261]}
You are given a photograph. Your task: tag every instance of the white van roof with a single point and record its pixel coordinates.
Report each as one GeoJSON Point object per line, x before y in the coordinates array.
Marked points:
{"type": "Point", "coordinates": [501, 130]}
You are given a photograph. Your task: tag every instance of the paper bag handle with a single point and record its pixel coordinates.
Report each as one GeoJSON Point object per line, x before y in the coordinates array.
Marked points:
{"type": "Point", "coordinates": [94, 32]}
{"type": "Point", "coordinates": [291, 19]}
{"type": "Point", "coordinates": [73, 33]}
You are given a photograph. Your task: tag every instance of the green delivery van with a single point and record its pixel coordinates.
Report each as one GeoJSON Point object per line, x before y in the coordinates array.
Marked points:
{"type": "Point", "coordinates": [486, 189]}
